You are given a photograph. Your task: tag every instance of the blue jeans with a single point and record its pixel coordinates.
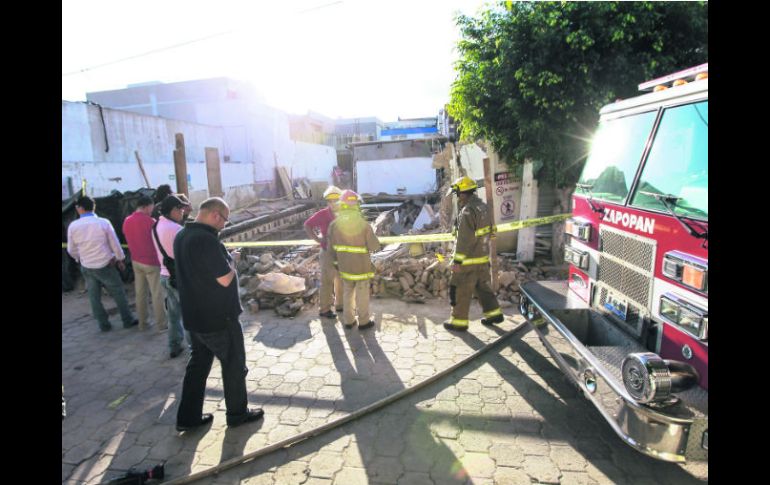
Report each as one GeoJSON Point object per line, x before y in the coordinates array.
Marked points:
{"type": "Point", "coordinates": [176, 331]}
{"type": "Point", "coordinates": [227, 346]}
{"type": "Point", "coordinates": [109, 278]}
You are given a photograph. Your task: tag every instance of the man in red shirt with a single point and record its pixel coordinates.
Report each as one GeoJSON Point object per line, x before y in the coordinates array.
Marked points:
{"type": "Point", "coordinates": [330, 278]}
{"type": "Point", "coordinates": [138, 231]}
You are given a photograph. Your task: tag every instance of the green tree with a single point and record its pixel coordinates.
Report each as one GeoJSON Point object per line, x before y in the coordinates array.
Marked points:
{"type": "Point", "coordinates": [532, 76]}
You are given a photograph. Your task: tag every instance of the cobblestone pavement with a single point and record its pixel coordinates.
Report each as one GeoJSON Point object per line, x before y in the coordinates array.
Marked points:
{"type": "Point", "coordinates": [508, 417]}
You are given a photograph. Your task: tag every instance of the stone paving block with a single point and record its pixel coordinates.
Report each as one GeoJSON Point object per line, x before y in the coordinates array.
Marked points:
{"type": "Point", "coordinates": [469, 386]}
{"type": "Point", "coordinates": [577, 478]}
{"type": "Point", "coordinates": [604, 471]}
{"type": "Point", "coordinates": [325, 464]}
{"type": "Point", "coordinates": [350, 476]}
{"type": "Point", "coordinates": [567, 459]}
{"type": "Point", "coordinates": [92, 469]}
{"type": "Point", "coordinates": [478, 465]}
{"type": "Point", "coordinates": [473, 440]}
{"type": "Point", "coordinates": [415, 478]}
{"type": "Point", "coordinates": [532, 445]}
{"type": "Point", "coordinates": [384, 469]}
{"type": "Point", "coordinates": [510, 476]}
{"type": "Point", "coordinates": [496, 412]}
{"type": "Point", "coordinates": [77, 453]}
{"type": "Point", "coordinates": [262, 479]}
{"type": "Point", "coordinates": [507, 454]}
{"type": "Point", "coordinates": [291, 473]}
{"type": "Point", "coordinates": [130, 457]}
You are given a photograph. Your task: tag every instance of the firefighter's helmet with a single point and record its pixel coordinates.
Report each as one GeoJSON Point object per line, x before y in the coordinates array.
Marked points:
{"type": "Point", "coordinates": [332, 193]}
{"type": "Point", "coordinates": [463, 184]}
{"type": "Point", "coordinates": [349, 200]}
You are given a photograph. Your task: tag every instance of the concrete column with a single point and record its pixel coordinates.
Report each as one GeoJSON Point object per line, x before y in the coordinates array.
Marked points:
{"type": "Point", "coordinates": [525, 250]}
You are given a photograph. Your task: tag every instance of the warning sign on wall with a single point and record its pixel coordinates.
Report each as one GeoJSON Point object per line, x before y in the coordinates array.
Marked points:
{"type": "Point", "coordinates": [505, 200]}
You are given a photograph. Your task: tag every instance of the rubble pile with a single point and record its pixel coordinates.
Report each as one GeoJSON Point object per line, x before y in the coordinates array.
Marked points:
{"type": "Point", "coordinates": [284, 281]}
{"type": "Point", "coordinates": [417, 279]}
{"type": "Point", "coordinates": [287, 281]}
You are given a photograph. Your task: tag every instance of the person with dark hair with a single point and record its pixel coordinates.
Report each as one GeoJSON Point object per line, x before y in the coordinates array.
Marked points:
{"type": "Point", "coordinates": [164, 232]}
{"type": "Point", "coordinates": [160, 193]}
{"type": "Point", "coordinates": [91, 241]}
{"type": "Point", "coordinates": [138, 228]}
{"type": "Point", "coordinates": [208, 289]}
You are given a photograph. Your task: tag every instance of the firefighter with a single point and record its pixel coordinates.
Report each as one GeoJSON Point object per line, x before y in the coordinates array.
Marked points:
{"type": "Point", "coordinates": [350, 240]}
{"type": "Point", "coordinates": [470, 261]}
{"type": "Point", "coordinates": [317, 227]}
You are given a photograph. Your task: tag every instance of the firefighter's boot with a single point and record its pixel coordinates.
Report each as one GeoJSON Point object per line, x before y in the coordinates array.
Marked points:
{"type": "Point", "coordinates": [456, 325]}
{"type": "Point", "coordinates": [492, 317]}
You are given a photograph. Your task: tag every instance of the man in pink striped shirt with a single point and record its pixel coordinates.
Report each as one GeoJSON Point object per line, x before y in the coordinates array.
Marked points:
{"type": "Point", "coordinates": [172, 210]}
{"type": "Point", "coordinates": [138, 231]}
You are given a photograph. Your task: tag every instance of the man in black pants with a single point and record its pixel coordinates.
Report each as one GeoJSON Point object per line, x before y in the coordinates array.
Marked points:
{"type": "Point", "coordinates": [208, 291]}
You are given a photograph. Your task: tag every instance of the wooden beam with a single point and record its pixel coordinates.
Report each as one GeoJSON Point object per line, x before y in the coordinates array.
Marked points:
{"type": "Point", "coordinates": [180, 166]}
{"type": "Point", "coordinates": [213, 172]}
{"type": "Point", "coordinates": [141, 168]}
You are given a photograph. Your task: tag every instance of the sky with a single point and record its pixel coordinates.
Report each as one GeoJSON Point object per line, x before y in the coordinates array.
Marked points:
{"type": "Point", "coordinates": [339, 58]}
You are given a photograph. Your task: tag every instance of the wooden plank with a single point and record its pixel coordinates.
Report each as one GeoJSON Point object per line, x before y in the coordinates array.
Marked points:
{"type": "Point", "coordinates": [213, 172]}
{"type": "Point", "coordinates": [283, 177]}
{"type": "Point", "coordinates": [180, 166]}
{"type": "Point", "coordinates": [141, 169]}
{"type": "Point", "coordinates": [491, 211]}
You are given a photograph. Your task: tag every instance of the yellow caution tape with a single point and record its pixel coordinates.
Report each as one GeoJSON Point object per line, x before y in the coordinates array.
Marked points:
{"type": "Point", "coordinates": [409, 238]}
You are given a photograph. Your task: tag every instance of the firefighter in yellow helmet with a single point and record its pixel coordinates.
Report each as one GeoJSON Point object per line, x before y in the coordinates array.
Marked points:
{"type": "Point", "coordinates": [317, 227]}
{"type": "Point", "coordinates": [351, 239]}
{"type": "Point", "coordinates": [470, 261]}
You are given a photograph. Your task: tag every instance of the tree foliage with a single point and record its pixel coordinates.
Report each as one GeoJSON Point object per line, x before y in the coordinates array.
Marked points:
{"type": "Point", "coordinates": [532, 76]}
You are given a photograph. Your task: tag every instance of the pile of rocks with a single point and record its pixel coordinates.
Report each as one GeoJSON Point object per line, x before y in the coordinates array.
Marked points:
{"type": "Point", "coordinates": [397, 275]}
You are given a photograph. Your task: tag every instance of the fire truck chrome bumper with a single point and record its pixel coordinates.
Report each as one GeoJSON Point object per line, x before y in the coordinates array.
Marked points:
{"type": "Point", "coordinates": [590, 350]}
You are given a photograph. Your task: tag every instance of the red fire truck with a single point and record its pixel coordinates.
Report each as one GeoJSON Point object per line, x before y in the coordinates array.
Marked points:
{"type": "Point", "coordinates": [630, 325]}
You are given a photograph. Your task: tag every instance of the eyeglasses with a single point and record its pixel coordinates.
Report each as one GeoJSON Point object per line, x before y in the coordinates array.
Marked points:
{"type": "Point", "coordinates": [223, 217]}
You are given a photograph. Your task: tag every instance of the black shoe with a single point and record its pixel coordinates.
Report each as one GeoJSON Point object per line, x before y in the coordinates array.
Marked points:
{"type": "Point", "coordinates": [349, 325]}
{"type": "Point", "coordinates": [458, 328]}
{"type": "Point", "coordinates": [328, 314]}
{"type": "Point", "coordinates": [368, 324]}
{"type": "Point", "coordinates": [105, 329]}
{"type": "Point", "coordinates": [206, 418]}
{"type": "Point", "coordinates": [493, 320]}
{"type": "Point", "coordinates": [132, 324]}
{"type": "Point", "coordinates": [176, 353]}
{"type": "Point", "coordinates": [251, 415]}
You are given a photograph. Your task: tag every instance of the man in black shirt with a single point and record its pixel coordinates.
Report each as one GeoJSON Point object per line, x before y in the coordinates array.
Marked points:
{"type": "Point", "coordinates": [208, 291]}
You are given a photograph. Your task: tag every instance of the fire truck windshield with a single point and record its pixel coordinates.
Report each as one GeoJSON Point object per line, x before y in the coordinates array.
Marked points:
{"type": "Point", "coordinates": [615, 154]}
{"type": "Point", "coordinates": [678, 163]}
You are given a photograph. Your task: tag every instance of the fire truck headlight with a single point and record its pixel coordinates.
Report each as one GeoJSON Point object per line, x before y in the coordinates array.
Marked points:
{"type": "Point", "coordinates": [578, 228]}
{"type": "Point", "coordinates": [650, 379]}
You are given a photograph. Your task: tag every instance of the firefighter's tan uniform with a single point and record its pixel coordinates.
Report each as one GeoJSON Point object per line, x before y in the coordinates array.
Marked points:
{"type": "Point", "coordinates": [350, 240]}
{"type": "Point", "coordinates": [331, 284]}
{"type": "Point", "coordinates": [472, 254]}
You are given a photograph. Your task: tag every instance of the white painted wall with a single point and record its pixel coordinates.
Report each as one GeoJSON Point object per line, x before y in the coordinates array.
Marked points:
{"type": "Point", "coordinates": [415, 175]}
{"type": "Point", "coordinates": [84, 155]}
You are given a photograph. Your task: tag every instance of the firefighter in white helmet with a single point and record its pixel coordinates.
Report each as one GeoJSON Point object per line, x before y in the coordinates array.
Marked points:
{"type": "Point", "coordinates": [470, 261]}
{"type": "Point", "coordinates": [317, 227]}
{"type": "Point", "coordinates": [351, 239]}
